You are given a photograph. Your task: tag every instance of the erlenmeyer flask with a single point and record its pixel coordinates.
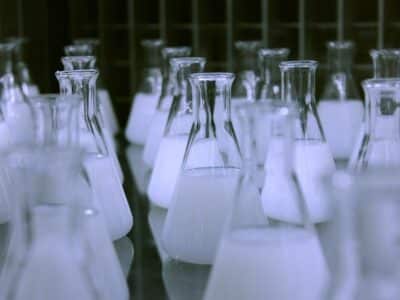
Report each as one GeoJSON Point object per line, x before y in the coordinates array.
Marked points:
{"type": "Point", "coordinates": [269, 87]}
{"type": "Point", "coordinates": [244, 86]}
{"type": "Point", "coordinates": [340, 107]}
{"type": "Point", "coordinates": [172, 146]}
{"type": "Point", "coordinates": [84, 63]}
{"type": "Point", "coordinates": [160, 116]}
{"type": "Point", "coordinates": [105, 103]}
{"type": "Point", "coordinates": [29, 88]}
{"type": "Point", "coordinates": [276, 254]}
{"type": "Point", "coordinates": [15, 111]}
{"type": "Point", "coordinates": [386, 64]}
{"type": "Point", "coordinates": [99, 165]}
{"type": "Point", "coordinates": [145, 100]}
{"type": "Point", "coordinates": [313, 158]}
{"type": "Point", "coordinates": [210, 170]}
{"type": "Point", "coordinates": [382, 133]}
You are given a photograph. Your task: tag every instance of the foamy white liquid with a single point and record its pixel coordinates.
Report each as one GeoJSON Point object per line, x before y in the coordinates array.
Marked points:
{"type": "Point", "coordinates": [107, 111]}
{"type": "Point", "coordinates": [166, 170]}
{"type": "Point", "coordinates": [201, 203]}
{"type": "Point", "coordinates": [107, 188]}
{"type": "Point", "coordinates": [154, 137]}
{"type": "Point", "coordinates": [143, 109]}
{"type": "Point", "coordinates": [276, 264]}
{"type": "Point", "coordinates": [341, 121]}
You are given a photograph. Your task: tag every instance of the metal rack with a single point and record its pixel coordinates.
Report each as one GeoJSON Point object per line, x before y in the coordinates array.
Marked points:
{"type": "Point", "coordinates": [211, 27]}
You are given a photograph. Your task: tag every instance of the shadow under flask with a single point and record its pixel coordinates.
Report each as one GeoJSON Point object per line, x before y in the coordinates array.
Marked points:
{"type": "Point", "coordinates": [106, 108]}
{"type": "Point", "coordinates": [16, 120]}
{"type": "Point", "coordinates": [313, 158]}
{"type": "Point", "coordinates": [159, 120]}
{"type": "Point", "coordinates": [71, 63]}
{"type": "Point", "coordinates": [340, 107]}
{"type": "Point", "coordinates": [381, 147]}
{"type": "Point", "coordinates": [386, 64]}
{"type": "Point", "coordinates": [270, 253]}
{"type": "Point", "coordinates": [210, 171]}
{"type": "Point", "coordinates": [173, 144]}
{"type": "Point", "coordinates": [145, 99]}
{"type": "Point", "coordinates": [103, 175]}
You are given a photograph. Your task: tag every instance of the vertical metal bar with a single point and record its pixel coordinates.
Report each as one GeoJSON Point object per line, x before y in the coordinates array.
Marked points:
{"type": "Point", "coordinates": [20, 18]}
{"type": "Point", "coordinates": [132, 50]}
{"type": "Point", "coordinates": [302, 29]}
{"type": "Point", "coordinates": [229, 34]}
{"type": "Point", "coordinates": [102, 37]}
{"type": "Point", "coordinates": [265, 22]}
{"type": "Point", "coordinates": [340, 20]}
{"type": "Point", "coordinates": [163, 20]}
{"type": "Point", "coordinates": [195, 27]}
{"type": "Point", "coordinates": [381, 24]}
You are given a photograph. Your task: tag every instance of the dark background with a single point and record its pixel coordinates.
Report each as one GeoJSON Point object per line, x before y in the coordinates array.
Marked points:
{"type": "Point", "coordinates": [209, 26]}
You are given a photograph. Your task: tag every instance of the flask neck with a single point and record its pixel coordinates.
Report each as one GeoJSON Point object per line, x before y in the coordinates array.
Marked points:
{"type": "Point", "coordinates": [6, 62]}
{"type": "Point", "coordinates": [340, 60]}
{"type": "Point", "coordinates": [386, 63]}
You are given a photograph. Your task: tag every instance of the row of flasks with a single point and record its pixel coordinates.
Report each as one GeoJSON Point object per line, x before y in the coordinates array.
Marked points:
{"type": "Point", "coordinates": [238, 161]}
{"type": "Point", "coordinates": [62, 203]}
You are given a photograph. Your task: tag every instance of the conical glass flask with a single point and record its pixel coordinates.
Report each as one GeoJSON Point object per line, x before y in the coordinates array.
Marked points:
{"type": "Point", "coordinates": [313, 158]}
{"type": "Point", "coordinates": [160, 116]}
{"type": "Point", "coordinates": [105, 102]}
{"type": "Point", "coordinates": [386, 64]}
{"type": "Point", "coordinates": [16, 126]}
{"type": "Point", "coordinates": [340, 107]}
{"type": "Point", "coordinates": [269, 87]}
{"type": "Point", "coordinates": [146, 98]}
{"type": "Point", "coordinates": [173, 144]}
{"type": "Point", "coordinates": [243, 88]}
{"type": "Point", "coordinates": [382, 133]}
{"type": "Point", "coordinates": [29, 88]}
{"type": "Point", "coordinates": [84, 63]}
{"type": "Point", "coordinates": [52, 180]}
{"type": "Point", "coordinates": [209, 174]}
{"type": "Point", "coordinates": [273, 254]}
{"type": "Point", "coordinates": [101, 169]}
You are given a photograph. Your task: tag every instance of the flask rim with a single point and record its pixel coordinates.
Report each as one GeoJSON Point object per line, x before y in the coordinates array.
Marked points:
{"type": "Point", "coordinates": [211, 76]}
{"type": "Point", "coordinates": [147, 43]}
{"type": "Point", "coordinates": [381, 82]}
{"type": "Point", "coordinates": [187, 60]}
{"type": "Point", "coordinates": [273, 52]}
{"type": "Point", "coordinates": [384, 52]}
{"type": "Point", "coordinates": [296, 64]}
{"type": "Point", "coordinates": [347, 44]}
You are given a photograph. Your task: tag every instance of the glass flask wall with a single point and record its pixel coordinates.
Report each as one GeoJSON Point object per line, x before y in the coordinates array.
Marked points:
{"type": "Point", "coordinates": [382, 133]}
{"type": "Point", "coordinates": [16, 124]}
{"type": "Point", "coordinates": [340, 107]}
{"type": "Point", "coordinates": [173, 143]}
{"type": "Point", "coordinates": [159, 120]}
{"type": "Point", "coordinates": [366, 231]}
{"type": "Point", "coordinates": [146, 98]}
{"type": "Point", "coordinates": [99, 165]}
{"type": "Point", "coordinates": [210, 170]}
{"type": "Point", "coordinates": [271, 252]}
{"type": "Point", "coordinates": [313, 158]}
{"type": "Point", "coordinates": [106, 109]}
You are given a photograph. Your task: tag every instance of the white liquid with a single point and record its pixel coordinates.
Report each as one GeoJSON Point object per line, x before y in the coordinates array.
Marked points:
{"type": "Point", "coordinates": [20, 122]}
{"type": "Point", "coordinates": [341, 121]}
{"type": "Point", "coordinates": [312, 161]}
{"type": "Point", "coordinates": [383, 153]}
{"type": "Point", "coordinates": [107, 111]}
{"type": "Point", "coordinates": [155, 135]}
{"type": "Point", "coordinates": [143, 109]}
{"type": "Point", "coordinates": [111, 197]}
{"type": "Point", "coordinates": [276, 264]}
{"type": "Point", "coordinates": [202, 201]}
{"type": "Point", "coordinates": [141, 173]}
{"type": "Point", "coordinates": [166, 170]}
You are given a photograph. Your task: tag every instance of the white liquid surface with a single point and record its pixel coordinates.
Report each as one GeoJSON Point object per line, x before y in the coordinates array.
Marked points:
{"type": "Point", "coordinates": [107, 111]}
{"type": "Point", "coordinates": [313, 160]}
{"type": "Point", "coordinates": [202, 201]}
{"type": "Point", "coordinates": [107, 188]}
{"type": "Point", "coordinates": [166, 170]}
{"type": "Point", "coordinates": [155, 135]}
{"type": "Point", "coordinates": [143, 109]}
{"type": "Point", "coordinates": [276, 264]}
{"type": "Point", "coordinates": [341, 121]}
